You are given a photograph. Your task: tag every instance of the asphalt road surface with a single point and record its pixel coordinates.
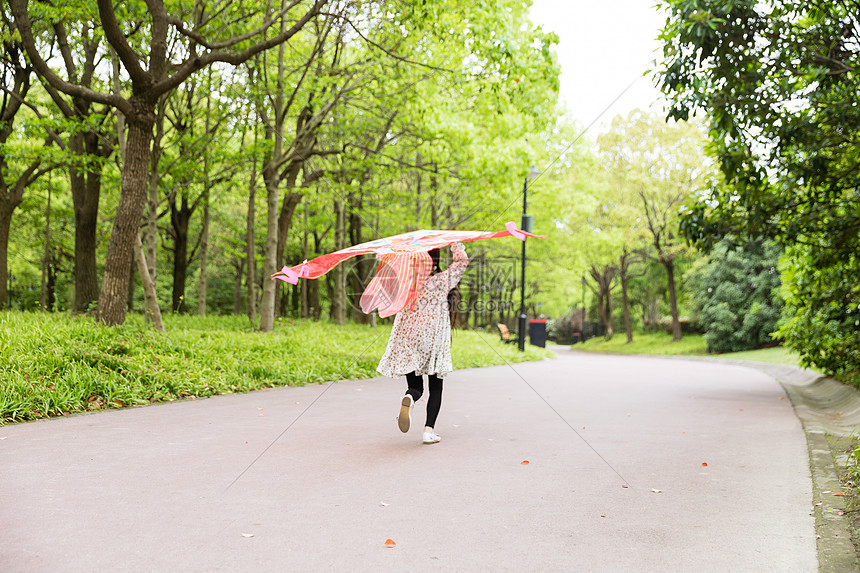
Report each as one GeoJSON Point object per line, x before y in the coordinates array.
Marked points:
{"type": "Point", "coordinates": [634, 464]}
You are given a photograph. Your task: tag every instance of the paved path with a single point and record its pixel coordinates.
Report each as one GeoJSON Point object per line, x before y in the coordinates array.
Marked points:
{"type": "Point", "coordinates": [148, 489]}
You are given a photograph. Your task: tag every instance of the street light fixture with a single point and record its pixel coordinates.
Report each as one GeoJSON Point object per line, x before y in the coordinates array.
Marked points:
{"type": "Point", "coordinates": [525, 226]}
{"type": "Point", "coordinates": [582, 328]}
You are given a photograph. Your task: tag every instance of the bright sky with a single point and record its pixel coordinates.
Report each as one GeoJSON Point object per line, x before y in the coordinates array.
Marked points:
{"type": "Point", "coordinates": [604, 47]}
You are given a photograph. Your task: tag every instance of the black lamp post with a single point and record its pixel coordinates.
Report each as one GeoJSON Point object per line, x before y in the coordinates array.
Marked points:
{"type": "Point", "coordinates": [525, 226]}
{"type": "Point", "coordinates": [583, 309]}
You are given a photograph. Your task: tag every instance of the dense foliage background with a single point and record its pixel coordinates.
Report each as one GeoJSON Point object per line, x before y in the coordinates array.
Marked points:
{"type": "Point", "coordinates": [232, 142]}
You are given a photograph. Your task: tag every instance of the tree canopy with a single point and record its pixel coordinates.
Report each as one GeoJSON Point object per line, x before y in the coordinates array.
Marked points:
{"type": "Point", "coordinates": [779, 84]}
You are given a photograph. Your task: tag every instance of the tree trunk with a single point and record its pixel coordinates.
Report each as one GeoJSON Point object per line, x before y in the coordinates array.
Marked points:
{"type": "Point", "coordinates": [285, 221]}
{"type": "Point", "coordinates": [363, 268]}
{"type": "Point", "coordinates": [46, 260]}
{"type": "Point", "coordinates": [239, 265]}
{"type": "Point", "coordinates": [311, 292]}
{"type": "Point", "coordinates": [51, 287]}
{"type": "Point", "coordinates": [434, 190]}
{"type": "Point", "coordinates": [651, 315]}
{"type": "Point", "coordinates": [180, 218]}
{"type": "Point", "coordinates": [86, 191]}
{"type": "Point", "coordinates": [250, 243]}
{"type": "Point", "coordinates": [204, 252]}
{"type": "Point", "coordinates": [288, 208]}
{"type": "Point", "coordinates": [304, 308]}
{"type": "Point", "coordinates": [152, 309]}
{"type": "Point", "coordinates": [673, 299]}
{"type": "Point", "coordinates": [628, 328]}
{"type": "Point", "coordinates": [295, 302]}
{"type": "Point", "coordinates": [338, 302]}
{"type": "Point", "coordinates": [418, 178]}
{"type": "Point", "coordinates": [603, 277]}
{"type": "Point", "coordinates": [601, 309]}
{"type": "Point", "coordinates": [267, 307]}
{"type": "Point", "coordinates": [6, 210]}
{"type": "Point", "coordinates": [314, 309]}
{"type": "Point", "coordinates": [154, 182]}
{"type": "Point", "coordinates": [129, 297]}
{"type": "Point", "coordinates": [272, 179]}
{"type": "Point", "coordinates": [126, 224]}
{"type": "Point", "coordinates": [204, 233]}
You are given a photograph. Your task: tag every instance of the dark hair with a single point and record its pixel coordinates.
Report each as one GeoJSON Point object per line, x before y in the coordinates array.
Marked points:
{"type": "Point", "coordinates": [435, 255]}
{"type": "Point", "coordinates": [454, 300]}
{"type": "Point", "coordinates": [454, 296]}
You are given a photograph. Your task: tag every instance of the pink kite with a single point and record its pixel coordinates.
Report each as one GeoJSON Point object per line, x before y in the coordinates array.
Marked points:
{"type": "Point", "coordinates": [404, 264]}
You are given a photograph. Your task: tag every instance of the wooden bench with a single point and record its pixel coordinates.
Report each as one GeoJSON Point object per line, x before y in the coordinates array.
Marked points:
{"type": "Point", "coordinates": [505, 334]}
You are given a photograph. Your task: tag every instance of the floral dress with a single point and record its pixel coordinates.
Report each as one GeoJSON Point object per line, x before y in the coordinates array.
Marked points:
{"type": "Point", "coordinates": [420, 340]}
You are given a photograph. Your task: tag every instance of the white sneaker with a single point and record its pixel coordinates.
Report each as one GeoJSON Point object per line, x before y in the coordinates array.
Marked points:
{"type": "Point", "coordinates": [431, 438]}
{"type": "Point", "coordinates": [404, 420]}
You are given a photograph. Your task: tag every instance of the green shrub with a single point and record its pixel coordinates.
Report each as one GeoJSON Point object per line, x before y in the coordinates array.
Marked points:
{"type": "Point", "coordinates": [823, 312]}
{"type": "Point", "coordinates": [737, 295]}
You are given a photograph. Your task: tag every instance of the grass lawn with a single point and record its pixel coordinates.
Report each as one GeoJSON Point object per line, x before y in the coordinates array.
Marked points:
{"type": "Point", "coordinates": [651, 343]}
{"type": "Point", "coordinates": [775, 355]}
{"type": "Point", "coordinates": [56, 364]}
{"type": "Point", "coordinates": [660, 343]}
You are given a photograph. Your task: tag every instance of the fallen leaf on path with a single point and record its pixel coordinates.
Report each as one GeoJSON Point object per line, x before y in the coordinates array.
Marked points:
{"type": "Point", "coordinates": [656, 490]}
{"type": "Point", "coordinates": [118, 403]}
{"type": "Point", "coordinates": [261, 408]}
{"type": "Point", "coordinates": [260, 415]}
{"type": "Point", "coordinates": [524, 463]}
{"type": "Point", "coordinates": [839, 493]}
{"type": "Point", "coordinates": [817, 504]}
{"type": "Point", "coordinates": [840, 513]}
{"type": "Point", "coordinates": [390, 543]}
{"type": "Point", "coordinates": [827, 491]}
{"type": "Point", "coordinates": [625, 486]}
{"type": "Point", "coordinates": [704, 464]}
{"type": "Point", "coordinates": [602, 515]}
{"type": "Point", "coordinates": [247, 535]}
{"type": "Point", "coordinates": [782, 397]}
{"type": "Point", "coordinates": [383, 504]}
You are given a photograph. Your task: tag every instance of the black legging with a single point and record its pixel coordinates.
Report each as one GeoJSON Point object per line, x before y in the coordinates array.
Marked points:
{"type": "Point", "coordinates": [434, 400]}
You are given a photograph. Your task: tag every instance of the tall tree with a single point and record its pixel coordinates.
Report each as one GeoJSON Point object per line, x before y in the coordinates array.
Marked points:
{"type": "Point", "coordinates": [17, 172]}
{"type": "Point", "coordinates": [660, 164]}
{"type": "Point", "coordinates": [299, 96]}
{"type": "Point", "coordinates": [604, 280]}
{"type": "Point", "coordinates": [207, 31]}
{"type": "Point", "coordinates": [194, 165]}
{"type": "Point", "coordinates": [89, 143]}
{"type": "Point", "coordinates": [626, 260]}
{"type": "Point", "coordinates": [778, 82]}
